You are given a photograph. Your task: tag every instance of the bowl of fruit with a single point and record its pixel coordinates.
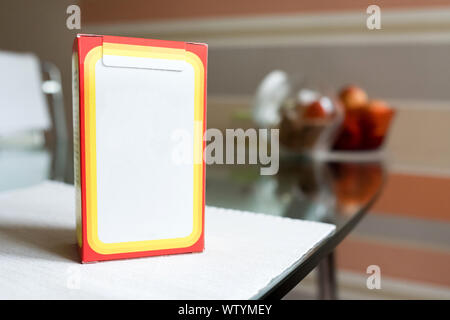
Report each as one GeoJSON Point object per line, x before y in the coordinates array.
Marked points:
{"type": "Point", "coordinates": [310, 123]}
{"type": "Point", "coordinates": [366, 122]}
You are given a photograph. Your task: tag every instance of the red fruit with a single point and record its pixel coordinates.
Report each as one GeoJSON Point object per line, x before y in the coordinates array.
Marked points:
{"type": "Point", "coordinates": [375, 121]}
{"type": "Point", "coordinates": [316, 110]}
{"type": "Point", "coordinates": [351, 134]}
{"type": "Point", "coordinates": [353, 97]}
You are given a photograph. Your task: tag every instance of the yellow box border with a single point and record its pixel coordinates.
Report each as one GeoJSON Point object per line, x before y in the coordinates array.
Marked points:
{"type": "Point", "coordinates": [92, 57]}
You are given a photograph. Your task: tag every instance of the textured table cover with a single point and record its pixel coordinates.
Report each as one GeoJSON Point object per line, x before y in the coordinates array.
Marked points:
{"type": "Point", "coordinates": [244, 252]}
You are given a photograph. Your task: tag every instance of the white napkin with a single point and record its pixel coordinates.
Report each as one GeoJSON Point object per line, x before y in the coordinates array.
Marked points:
{"type": "Point", "coordinates": [244, 252]}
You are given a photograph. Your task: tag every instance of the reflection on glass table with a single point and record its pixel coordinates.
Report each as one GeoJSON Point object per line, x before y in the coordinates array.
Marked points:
{"type": "Point", "coordinates": [329, 192]}
{"type": "Point", "coordinates": [333, 192]}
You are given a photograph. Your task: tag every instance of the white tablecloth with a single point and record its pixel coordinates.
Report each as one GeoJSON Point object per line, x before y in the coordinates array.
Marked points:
{"type": "Point", "coordinates": [244, 252]}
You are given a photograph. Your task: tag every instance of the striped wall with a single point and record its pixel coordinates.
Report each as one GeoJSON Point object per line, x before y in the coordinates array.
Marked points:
{"type": "Point", "coordinates": [407, 232]}
{"type": "Point", "coordinates": [106, 11]}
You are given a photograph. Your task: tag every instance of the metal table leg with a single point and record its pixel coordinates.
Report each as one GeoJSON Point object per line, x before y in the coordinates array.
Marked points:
{"type": "Point", "coordinates": [327, 278]}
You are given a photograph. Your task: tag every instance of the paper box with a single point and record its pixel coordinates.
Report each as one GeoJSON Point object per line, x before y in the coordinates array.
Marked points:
{"type": "Point", "coordinates": [139, 107]}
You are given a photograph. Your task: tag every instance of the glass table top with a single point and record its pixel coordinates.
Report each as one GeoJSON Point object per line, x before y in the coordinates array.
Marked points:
{"type": "Point", "coordinates": [331, 192]}
{"type": "Point", "coordinates": [336, 192]}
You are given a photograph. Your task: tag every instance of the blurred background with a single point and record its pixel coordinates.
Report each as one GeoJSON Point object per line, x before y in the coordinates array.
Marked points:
{"type": "Point", "coordinates": [327, 45]}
